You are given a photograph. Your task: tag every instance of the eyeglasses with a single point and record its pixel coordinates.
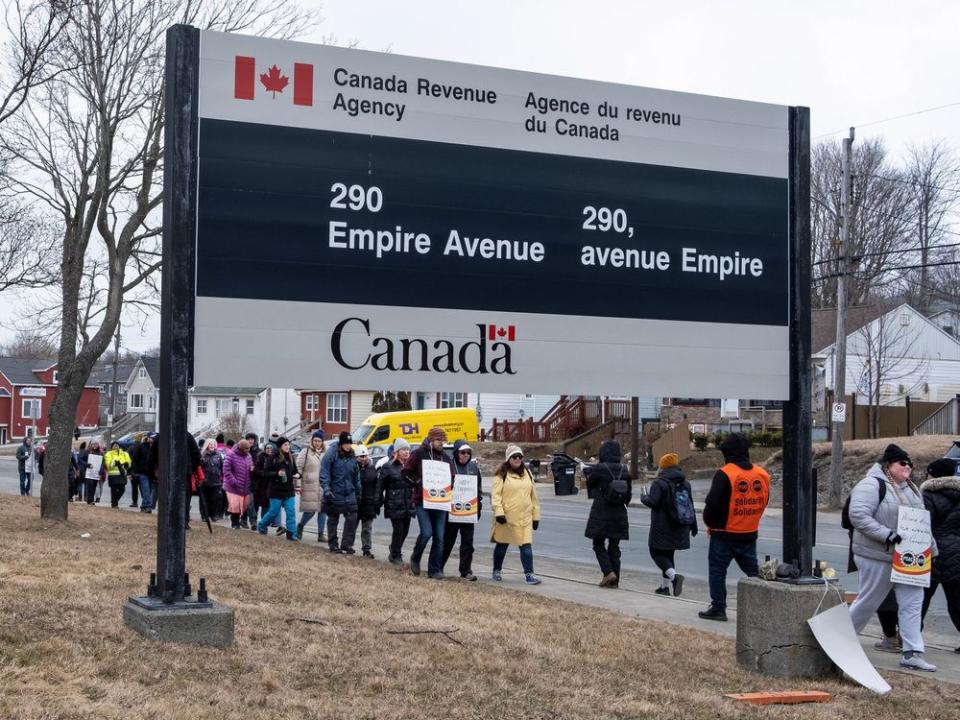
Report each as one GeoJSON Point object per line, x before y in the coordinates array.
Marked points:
{"type": "Point", "coordinates": [905, 463]}
{"type": "Point", "coordinates": [463, 452]}
{"type": "Point", "coordinates": [516, 457]}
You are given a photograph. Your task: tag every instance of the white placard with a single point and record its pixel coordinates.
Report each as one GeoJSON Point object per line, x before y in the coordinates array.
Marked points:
{"type": "Point", "coordinates": [94, 462]}
{"type": "Point", "coordinates": [437, 485]}
{"type": "Point", "coordinates": [465, 504]}
{"type": "Point", "coordinates": [913, 555]}
{"type": "Point", "coordinates": [833, 629]}
{"type": "Point", "coordinates": [33, 392]}
{"type": "Point", "coordinates": [839, 412]}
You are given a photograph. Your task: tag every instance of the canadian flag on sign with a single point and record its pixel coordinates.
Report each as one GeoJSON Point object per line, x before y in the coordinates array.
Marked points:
{"type": "Point", "coordinates": [501, 333]}
{"type": "Point", "coordinates": [273, 80]}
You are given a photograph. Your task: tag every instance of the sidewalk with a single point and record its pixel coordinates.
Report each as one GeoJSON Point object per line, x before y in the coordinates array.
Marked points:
{"type": "Point", "coordinates": [635, 597]}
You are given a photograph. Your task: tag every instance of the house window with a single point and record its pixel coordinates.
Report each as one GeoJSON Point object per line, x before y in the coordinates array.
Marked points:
{"type": "Point", "coordinates": [202, 407]}
{"type": "Point", "coordinates": [31, 409]}
{"type": "Point", "coordinates": [453, 400]}
{"type": "Point", "coordinates": [105, 390]}
{"type": "Point", "coordinates": [142, 373]}
{"type": "Point", "coordinates": [135, 401]}
{"type": "Point", "coordinates": [152, 402]}
{"type": "Point", "coordinates": [224, 407]}
{"type": "Point", "coordinates": [56, 376]}
{"type": "Point", "coordinates": [249, 407]}
{"type": "Point", "coordinates": [336, 407]}
{"type": "Point", "coordinates": [313, 403]}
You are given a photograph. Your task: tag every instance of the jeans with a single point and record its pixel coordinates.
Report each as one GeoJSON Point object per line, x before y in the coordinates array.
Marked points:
{"type": "Point", "coordinates": [366, 534]}
{"type": "Point", "coordinates": [723, 550]}
{"type": "Point", "coordinates": [401, 528]}
{"type": "Point", "coordinates": [146, 496]}
{"type": "Point", "coordinates": [349, 530]}
{"type": "Point", "coordinates": [289, 506]}
{"type": "Point", "coordinates": [607, 551]}
{"type": "Point", "coordinates": [25, 478]}
{"type": "Point", "coordinates": [306, 517]}
{"type": "Point", "coordinates": [432, 523]}
{"type": "Point", "coordinates": [526, 557]}
{"type": "Point", "coordinates": [465, 530]}
{"type": "Point", "coordinates": [252, 512]}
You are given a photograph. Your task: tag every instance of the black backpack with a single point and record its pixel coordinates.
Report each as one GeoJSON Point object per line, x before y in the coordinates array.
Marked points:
{"type": "Point", "coordinates": [683, 507]}
{"type": "Point", "coordinates": [845, 513]}
{"type": "Point", "coordinates": [618, 491]}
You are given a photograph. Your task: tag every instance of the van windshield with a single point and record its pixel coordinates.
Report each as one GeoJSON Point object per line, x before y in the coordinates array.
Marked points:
{"type": "Point", "coordinates": [361, 433]}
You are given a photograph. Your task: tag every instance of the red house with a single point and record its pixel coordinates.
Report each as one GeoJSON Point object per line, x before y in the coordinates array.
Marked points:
{"type": "Point", "coordinates": [27, 389]}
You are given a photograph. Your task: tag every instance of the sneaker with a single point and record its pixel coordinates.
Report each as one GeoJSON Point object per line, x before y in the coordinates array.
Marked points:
{"type": "Point", "coordinates": [348, 551]}
{"type": "Point", "coordinates": [714, 613]}
{"type": "Point", "coordinates": [915, 661]}
{"type": "Point", "coordinates": [368, 554]}
{"type": "Point", "coordinates": [609, 579]}
{"type": "Point", "coordinates": [889, 644]}
{"type": "Point", "coordinates": [335, 550]}
{"type": "Point", "coordinates": [396, 560]}
{"type": "Point", "coordinates": [470, 577]}
{"type": "Point", "coordinates": [677, 585]}
{"type": "Point", "coordinates": [662, 591]}
{"type": "Point", "coordinates": [133, 504]}
{"type": "Point", "coordinates": [262, 532]}
{"type": "Point", "coordinates": [532, 579]}
{"type": "Point", "coordinates": [280, 531]}
{"type": "Point", "coordinates": [435, 575]}
{"type": "Point", "coordinates": [497, 575]}
{"type": "Point", "coordinates": [292, 537]}
{"type": "Point", "coordinates": [415, 567]}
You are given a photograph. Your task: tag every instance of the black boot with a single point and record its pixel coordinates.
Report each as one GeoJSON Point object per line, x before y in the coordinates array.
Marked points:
{"type": "Point", "coordinates": [714, 613]}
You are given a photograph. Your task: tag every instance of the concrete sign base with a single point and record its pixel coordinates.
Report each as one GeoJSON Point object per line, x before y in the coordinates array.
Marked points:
{"type": "Point", "coordinates": [772, 632]}
{"type": "Point", "coordinates": [209, 623]}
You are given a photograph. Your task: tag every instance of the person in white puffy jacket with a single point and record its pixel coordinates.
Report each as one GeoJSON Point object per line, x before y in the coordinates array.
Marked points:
{"type": "Point", "coordinates": [875, 523]}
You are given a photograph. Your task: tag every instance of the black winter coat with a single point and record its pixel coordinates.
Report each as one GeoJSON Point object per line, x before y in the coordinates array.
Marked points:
{"type": "Point", "coordinates": [941, 496]}
{"type": "Point", "coordinates": [397, 492]}
{"type": "Point", "coordinates": [607, 520]}
{"type": "Point", "coordinates": [369, 505]}
{"type": "Point", "coordinates": [665, 532]}
{"type": "Point", "coordinates": [282, 486]}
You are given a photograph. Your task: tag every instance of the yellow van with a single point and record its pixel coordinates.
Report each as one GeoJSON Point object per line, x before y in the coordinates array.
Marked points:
{"type": "Point", "coordinates": [379, 431]}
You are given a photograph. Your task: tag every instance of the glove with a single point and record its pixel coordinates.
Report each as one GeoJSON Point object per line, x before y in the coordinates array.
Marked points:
{"type": "Point", "coordinates": [536, 524]}
{"type": "Point", "coordinates": [328, 496]}
{"type": "Point", "coordinates": [893, 539]}
{"type": "Point", "coordinates": [502, 519]}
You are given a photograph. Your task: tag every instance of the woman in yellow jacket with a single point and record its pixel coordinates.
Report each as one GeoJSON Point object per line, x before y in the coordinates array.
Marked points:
{"type": "Point", "coordinates": [117, 464]}
{"type": "Point", "coordinates": [516, 510]}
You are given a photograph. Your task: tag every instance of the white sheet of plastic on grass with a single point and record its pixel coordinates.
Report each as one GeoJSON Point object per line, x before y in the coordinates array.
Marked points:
{"type": "Point", "coordinates": [834, 631]}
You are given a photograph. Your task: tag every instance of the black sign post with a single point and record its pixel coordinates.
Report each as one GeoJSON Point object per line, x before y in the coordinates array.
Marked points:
{"type": "Point", "coordinates": [798, 491]}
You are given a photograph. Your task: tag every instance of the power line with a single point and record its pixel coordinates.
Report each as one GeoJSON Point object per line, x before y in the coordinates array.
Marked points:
{"type": "Point", "coordinates": [859, 256]}
{"type": "Point", "coordinates": [895, 117]}
{"type": "Point", "coordinates": [899, 267]}
{"type": "Point", "coordinates": [906, 181]}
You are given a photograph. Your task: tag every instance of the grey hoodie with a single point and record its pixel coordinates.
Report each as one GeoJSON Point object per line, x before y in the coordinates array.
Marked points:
{"type": "Point", "coordinates": [874, 521]}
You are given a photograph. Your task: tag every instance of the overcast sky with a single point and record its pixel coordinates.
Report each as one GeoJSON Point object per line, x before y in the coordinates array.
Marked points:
{"type": "Point", "coordinates": [851, 62]}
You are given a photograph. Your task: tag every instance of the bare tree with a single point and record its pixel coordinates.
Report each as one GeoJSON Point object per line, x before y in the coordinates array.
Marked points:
{"type": "Point", "coordinates": [233, 425]}
{"type": "Point", "coordinates": [882, 221]}
{"type": "Point", "coordinates": [30, 345]}
{"type": "Point", "coordinates": [87, 146]}
{"type": "Point", "coordinates": [881, 357]}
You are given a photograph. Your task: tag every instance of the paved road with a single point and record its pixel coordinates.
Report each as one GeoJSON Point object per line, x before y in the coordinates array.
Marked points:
{"type": "Point", "coordinates": [567, 553]}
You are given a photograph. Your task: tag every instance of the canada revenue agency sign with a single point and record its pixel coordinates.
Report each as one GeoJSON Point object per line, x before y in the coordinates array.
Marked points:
{"type": "Point", "coordinates": [368, 220]}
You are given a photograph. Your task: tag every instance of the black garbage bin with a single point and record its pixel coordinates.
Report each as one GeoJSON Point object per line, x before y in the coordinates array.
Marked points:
{"type": "Point", "coordinates": [564, 469]}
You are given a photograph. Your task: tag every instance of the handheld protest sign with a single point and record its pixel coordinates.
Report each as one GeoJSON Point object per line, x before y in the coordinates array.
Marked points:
{"type": "Point", "coordinates": [437, 485]}
{"type": "Point", "coordinates": [913, 555]}
{"type": "Point", "coordinates": [464, 504]}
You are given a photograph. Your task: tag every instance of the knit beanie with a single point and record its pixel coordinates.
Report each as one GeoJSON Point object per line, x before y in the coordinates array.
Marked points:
{"type": "Point", "coordinates": [400, 444]}
{"type": "Point", "coordinates": [513, 450]}
{"type": "Point", "coordinates": [894, 453]}
{"type": "Point", "coordinates": [318, 434]}
{"type": "Point", "coordinates": [437, 433]}
{"type": "Point", "coordinates": [668, 460]}
{"type": "Point", "coordinates": [944, 467]}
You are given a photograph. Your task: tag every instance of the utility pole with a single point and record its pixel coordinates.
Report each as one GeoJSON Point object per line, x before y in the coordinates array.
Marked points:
{"type": "Point", "coordinates": [840, 350]}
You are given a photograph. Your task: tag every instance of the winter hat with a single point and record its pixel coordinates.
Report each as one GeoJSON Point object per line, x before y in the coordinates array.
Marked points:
{"type": "Point", "coordinates": [361, 450]}
{"type": "Point", "coordinates": [318, 434]}
{"type": "Point", "coordinates": [400, 444]}
{"type": "Point", "coordinates": [464, 448]}
{"type": "Point", "coordinates": [345, 438]}
{"type": "Point", "coordinates": [437, 433]}
{"type": "Point", "coordinates": [280, 441]}
{"type": "Point", "coordinates": [944, 467]}
{"type": "Point", "coordinates": [668, 460]}
{"type": "Point", "coordinates": [895, 453]}
{"type": "Point", "coordinates": [513, 450]}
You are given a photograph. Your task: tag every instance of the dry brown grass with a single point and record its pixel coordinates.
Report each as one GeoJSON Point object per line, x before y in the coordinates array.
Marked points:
{"type": "Point", "coordinates": [65, 653]}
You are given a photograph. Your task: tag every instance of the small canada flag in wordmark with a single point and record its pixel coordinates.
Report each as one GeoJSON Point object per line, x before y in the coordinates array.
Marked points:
{"type": "Point", "coordinates": [495, 332]}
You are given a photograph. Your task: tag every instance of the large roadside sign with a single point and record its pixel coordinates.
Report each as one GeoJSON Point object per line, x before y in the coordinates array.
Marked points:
{"type": "Point", "coordinates": [373, 220]}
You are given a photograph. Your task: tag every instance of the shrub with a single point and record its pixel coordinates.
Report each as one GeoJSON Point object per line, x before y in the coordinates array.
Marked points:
{"type": "Point", "coordinates": [700, 441]}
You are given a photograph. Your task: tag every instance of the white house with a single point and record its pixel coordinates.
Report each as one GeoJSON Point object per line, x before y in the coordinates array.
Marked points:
{"type": "Point", "coordinates": [892, 353]}
{"type": "Point", "coordinates": [143, 389]}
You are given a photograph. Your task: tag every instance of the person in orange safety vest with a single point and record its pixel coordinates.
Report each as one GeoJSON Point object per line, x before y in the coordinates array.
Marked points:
{"type": "Point", "coordinates": [732, 510]}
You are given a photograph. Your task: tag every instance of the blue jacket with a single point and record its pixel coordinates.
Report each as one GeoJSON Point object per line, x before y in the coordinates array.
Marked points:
{"type": "Point", "coordinates": [340, 480]}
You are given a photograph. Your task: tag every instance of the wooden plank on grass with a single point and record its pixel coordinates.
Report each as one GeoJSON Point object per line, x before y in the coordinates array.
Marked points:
{"type": "Point", "coordinates": [786, 697]}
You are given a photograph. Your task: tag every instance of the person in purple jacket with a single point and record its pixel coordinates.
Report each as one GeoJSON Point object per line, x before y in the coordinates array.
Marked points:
{"type": "Point", "coordinates": [236, 483]}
